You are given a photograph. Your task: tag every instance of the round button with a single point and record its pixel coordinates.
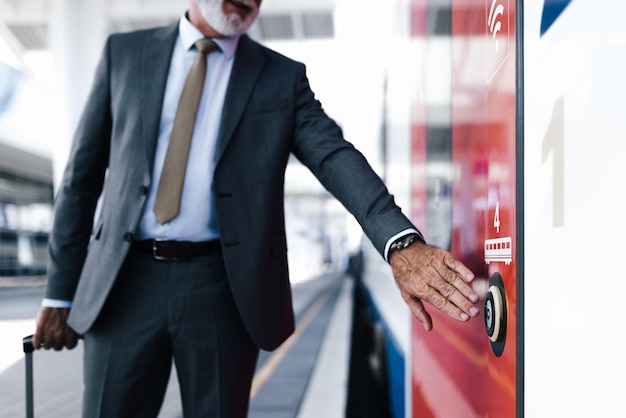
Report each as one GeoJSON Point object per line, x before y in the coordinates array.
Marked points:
{"type": "Point", "coordinates": [494, 314]}
{"type": "Point", "coordinates": [128, 236]}
{"type": "Point", "coordinates": [489, 315]}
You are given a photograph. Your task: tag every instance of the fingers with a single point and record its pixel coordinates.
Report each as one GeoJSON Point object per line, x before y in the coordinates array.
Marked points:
{"type": "Point", "coordinates": [481, 287]}
{"type": "Point", "coordinates": [41, 329]}
{"type": "Point", "coordinates": [449, 292]}
{"type": "Point", "coordinates": [52, 331]}
{"type": "Point", "coordinates": [37, 339]}
{"type": "Point", "coordinates": [71, 339]}
{"type": "Point", "coordinates": [447, 298]}
{"type": "Point", "coordinates": [455, 273]}
{"type": "Point", "coordinates": [453, 303]}
{"type": "Point", "coordinates": [433, 275]}
{"type": "Point", "coordinates": [420, 313]}
{"type": "Point", "coordinates": [458, 267]}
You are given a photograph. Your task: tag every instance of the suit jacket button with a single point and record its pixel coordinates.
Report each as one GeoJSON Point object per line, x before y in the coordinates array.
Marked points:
{"type": "Point", "coordinates": [128, 237]}
{"type": "Point", "coordinates": [143, 190]}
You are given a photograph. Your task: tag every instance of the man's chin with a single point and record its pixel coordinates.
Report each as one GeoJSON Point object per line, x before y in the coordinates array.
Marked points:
{"type": "Point", "coordinates": [229, 17]}
{"type": "Point", "coordinates": [232, 28]}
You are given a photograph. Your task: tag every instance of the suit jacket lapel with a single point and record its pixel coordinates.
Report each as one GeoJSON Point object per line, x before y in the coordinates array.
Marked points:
{"type": "Point", "coordinates": [157, 54]}
{"type": "Point", "coordinates": [247, 67]}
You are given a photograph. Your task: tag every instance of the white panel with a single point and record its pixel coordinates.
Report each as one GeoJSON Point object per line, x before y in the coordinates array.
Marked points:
{"type": "Point", "coordinates": [575, 171]}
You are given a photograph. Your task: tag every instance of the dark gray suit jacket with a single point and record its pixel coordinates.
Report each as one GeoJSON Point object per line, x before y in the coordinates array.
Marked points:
{"type": "Point", "coordinates": [269, 113]}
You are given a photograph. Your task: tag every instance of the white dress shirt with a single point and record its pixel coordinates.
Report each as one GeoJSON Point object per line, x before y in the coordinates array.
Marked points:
{"type": "Point", "coordinates": [196, 220]}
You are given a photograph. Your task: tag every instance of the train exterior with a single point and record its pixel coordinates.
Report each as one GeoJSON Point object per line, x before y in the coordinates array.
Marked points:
{"type": "Point", "coordinates": [506, 117]}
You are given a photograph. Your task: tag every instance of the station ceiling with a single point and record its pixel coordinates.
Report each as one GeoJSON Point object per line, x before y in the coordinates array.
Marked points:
{"type": "Point", "coordinates": [25, 24]}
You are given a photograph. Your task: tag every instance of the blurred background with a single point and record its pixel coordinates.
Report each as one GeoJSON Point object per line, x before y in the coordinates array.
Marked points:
{"type": "Point", "coordinates": [478, 114]}
{"type": "Point", "coordinates": [48, 53]}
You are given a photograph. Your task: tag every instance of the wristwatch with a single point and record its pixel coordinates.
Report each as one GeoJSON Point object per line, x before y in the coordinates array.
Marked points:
{"type": "Point", "coordinates": [402, 242]}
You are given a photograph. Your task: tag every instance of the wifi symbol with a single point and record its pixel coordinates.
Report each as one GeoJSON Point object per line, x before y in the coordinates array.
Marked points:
{"type": "Point", "coordinates": [494, 20]}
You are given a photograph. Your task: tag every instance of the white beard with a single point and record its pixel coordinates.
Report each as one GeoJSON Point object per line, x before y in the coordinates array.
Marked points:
{"type": "Point", "coordinates": [227, 25]}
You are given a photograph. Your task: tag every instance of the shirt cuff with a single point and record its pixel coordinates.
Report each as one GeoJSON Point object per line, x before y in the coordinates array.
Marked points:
{"type": "Point", "coordinates": [400, 235]}
{"type": "Point", "coordinates": [56, 303]}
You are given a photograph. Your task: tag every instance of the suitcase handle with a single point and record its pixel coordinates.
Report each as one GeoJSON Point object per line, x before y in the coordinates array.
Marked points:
{"type": "Point", "coordinates": [27, 343]}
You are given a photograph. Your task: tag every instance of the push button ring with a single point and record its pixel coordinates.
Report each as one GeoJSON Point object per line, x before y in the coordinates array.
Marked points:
{"type": "Point", "coordinates": [496, 314]}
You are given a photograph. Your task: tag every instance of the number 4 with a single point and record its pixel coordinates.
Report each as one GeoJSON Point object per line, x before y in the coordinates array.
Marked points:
{"type": "Point", "coordinates": [496, 218]}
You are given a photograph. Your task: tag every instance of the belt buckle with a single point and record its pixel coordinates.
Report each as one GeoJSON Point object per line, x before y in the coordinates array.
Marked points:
{"type": "Point", "coordinates": [155, 251]}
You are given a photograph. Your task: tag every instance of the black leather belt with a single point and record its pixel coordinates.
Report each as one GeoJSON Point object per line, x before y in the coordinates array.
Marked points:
{"type": "Point", "coordinates": [178, 250]}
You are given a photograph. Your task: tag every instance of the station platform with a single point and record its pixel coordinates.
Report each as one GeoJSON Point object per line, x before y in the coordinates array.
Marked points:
{"type": "Point", "coordinates": [306, 377]}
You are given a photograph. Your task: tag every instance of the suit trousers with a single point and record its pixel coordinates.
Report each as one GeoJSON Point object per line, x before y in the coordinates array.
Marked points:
{"type": "Point", "coordinates": [159, 311]}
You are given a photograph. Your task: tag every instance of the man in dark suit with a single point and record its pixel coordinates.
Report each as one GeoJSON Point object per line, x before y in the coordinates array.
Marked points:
{"type": "Point", "coordinates": [208, 283]}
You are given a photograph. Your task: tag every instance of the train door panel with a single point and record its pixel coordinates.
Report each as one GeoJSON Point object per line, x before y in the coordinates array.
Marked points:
{"type": "Point", "coordinates": [467, 133]}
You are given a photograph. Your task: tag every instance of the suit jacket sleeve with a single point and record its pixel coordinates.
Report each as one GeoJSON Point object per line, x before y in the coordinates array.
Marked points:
{"type": "Point", "coordinates": [80, 189]}
{"type": "Point", "coordinates": [343, 170]}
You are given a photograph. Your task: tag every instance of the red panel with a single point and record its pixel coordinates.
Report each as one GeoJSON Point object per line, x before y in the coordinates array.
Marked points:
{"type": "Point", "coordinates": [418, 131]}
{"type": "Point", "coordinates": [455, 372]}
{"type": "Point", "coordinates": [418, 159]}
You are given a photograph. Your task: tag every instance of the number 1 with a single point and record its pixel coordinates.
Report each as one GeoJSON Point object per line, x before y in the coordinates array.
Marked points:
{"type": "Point", "coordinates": [553, 143]}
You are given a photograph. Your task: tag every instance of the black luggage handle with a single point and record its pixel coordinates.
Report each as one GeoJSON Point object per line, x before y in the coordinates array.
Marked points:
{"type": "Point", "coordinates": [27, 343]}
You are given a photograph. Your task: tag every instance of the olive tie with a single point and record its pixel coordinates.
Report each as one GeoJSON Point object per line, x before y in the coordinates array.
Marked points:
{"type": "Point", "coordinates": [167, 204]}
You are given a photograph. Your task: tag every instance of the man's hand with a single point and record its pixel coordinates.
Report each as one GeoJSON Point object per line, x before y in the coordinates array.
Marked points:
{"type": "Point", "coordinates": [427, 273]}
{"type": "Point", "coordinates": [52, 330]}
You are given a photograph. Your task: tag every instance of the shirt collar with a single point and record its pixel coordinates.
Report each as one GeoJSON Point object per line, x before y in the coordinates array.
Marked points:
{"type": "Point", "coordinates": [188, 34]}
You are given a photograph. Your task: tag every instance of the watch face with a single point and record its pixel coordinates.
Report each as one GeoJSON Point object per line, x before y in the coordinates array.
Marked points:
{"type": "Point", "coordinates": [403, 242]}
